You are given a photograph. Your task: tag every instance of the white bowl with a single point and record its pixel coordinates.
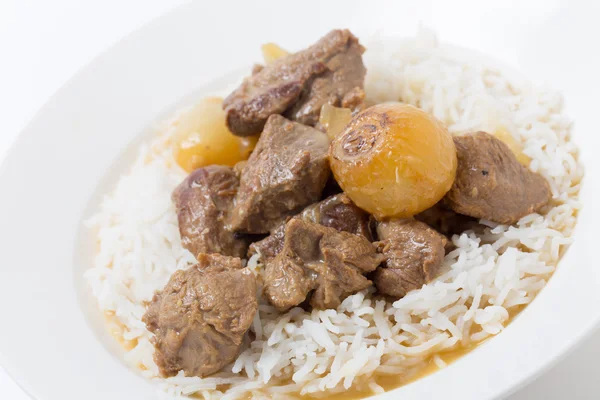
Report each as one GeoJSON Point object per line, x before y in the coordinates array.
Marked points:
{"type": "Point", "coordinates": [52, 339]}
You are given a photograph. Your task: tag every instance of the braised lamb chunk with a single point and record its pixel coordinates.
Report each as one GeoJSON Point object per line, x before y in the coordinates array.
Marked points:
{"type": "Point", "coordinates": [336, 211]}
{"type": "Point", "coordinates": [341, 213]}
{"type": "Point", "coordinates": [330, 71]}
{"type": "Point", "coordinates": [269, 247]}
{"type": "Point", "coordinates": [286, 172]}
{"type": "Point", "coordinates": [354, 100]}
{"type": "Point", "coordinates": [199, 319]}
{"type": "Point", "coordinates": [203, 201]}
{"type": "Point", "coordinates": [491, 183]}
{"type": "Point", "coordinates": [256, 68]}
{"type": "Point", "coordinates": [319, 263]}
{"type": "Point", "coordinates": [340, 84]}
{"type": "Point", "coordinates": [413, 253]}
{"type": "Point", "coordinates": [445, 221]}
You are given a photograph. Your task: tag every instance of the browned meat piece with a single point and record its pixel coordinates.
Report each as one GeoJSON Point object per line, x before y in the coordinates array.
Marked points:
{"type": "Point", "coordinates": [286, 172]}
{"type": "Point", "coordinates": [319, 263]}
{"type": "Point", "coordinates": [341, 213]}
{"type": "Point", "coordinates": [201, 316]}
{"type": "Point", "coordinates": [337, 212]}
{"type": "Point", "coordinates": [446, 221]}
{"type": "Point", "coordinates": [256, 68]}
{"type": "Point", "coordinates": [414, 253]}
{"type": "Point", "coordinates": [203, 201]}
{"type": "Point", "coordinates": [355, 100]}
{"type": "Point", "coordinates": [330, 71]}
{"type": "Point", "coordinates": [270, 246]}
{"type": "Point", "coordinates": [491, 184]}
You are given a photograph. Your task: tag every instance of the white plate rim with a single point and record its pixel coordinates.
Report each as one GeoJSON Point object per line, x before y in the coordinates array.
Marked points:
{"type": "Point", "coordinates": [22, 141]}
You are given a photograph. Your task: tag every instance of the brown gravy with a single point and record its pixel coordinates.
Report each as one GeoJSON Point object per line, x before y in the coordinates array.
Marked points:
{"type": "Point", "coordinates": [116, 330]}
{"type": "Point", "coordinates": [391, 382]}
{"type": "Point", "coordinates": [387, 382]}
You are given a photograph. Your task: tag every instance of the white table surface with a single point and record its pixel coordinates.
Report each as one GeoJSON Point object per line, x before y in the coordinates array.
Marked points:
{"type": "Point", "coordinates": [43, 43]}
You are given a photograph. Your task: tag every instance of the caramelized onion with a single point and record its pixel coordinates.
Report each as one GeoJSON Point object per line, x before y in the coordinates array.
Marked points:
{"type": "Point", "coordinates": [394, 160]}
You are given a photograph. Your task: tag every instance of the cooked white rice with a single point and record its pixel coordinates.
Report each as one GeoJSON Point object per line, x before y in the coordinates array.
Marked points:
{"type": "Point", "coordinates": [487, 279]}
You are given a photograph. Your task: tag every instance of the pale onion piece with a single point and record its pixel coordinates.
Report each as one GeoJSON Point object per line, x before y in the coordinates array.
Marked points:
{"type": "Point", "coordinates": [334, 119]}
{"type": "Point", "coordinates": [508, 139]}
{"type": "Point", "coordinates": [201, 138]}
{"type": "Point", "coordinates": [272, 52]}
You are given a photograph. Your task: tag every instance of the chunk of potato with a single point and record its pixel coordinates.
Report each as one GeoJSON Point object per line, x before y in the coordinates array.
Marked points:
{"type": "Point", "coordinates": [201, 138]}
{"type": "Point", "coordinates": [394, 160]}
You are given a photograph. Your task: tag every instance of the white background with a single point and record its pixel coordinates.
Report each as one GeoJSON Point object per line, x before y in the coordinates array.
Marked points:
{"type": "Point", "coordinates": [43, 43]}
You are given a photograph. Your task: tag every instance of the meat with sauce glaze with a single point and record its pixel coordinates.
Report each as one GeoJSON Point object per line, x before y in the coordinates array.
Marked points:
{"type": "Point", "coordinates": [318, 264]}
{"type": "Point", "coordinates": [336, 211]}
{"type": "Point", "coordinates": [199, 319]}
{"type": "Point", "coordinates": [286, 172]}
{"type": "Point", "coordinates": [413, 253]}
{"type": "Point", "coordinates": [329, 72]}
{"type": "Point", "coordinates": [203, 202]}
{"type": "Point", "coordinates": [491, 183]}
